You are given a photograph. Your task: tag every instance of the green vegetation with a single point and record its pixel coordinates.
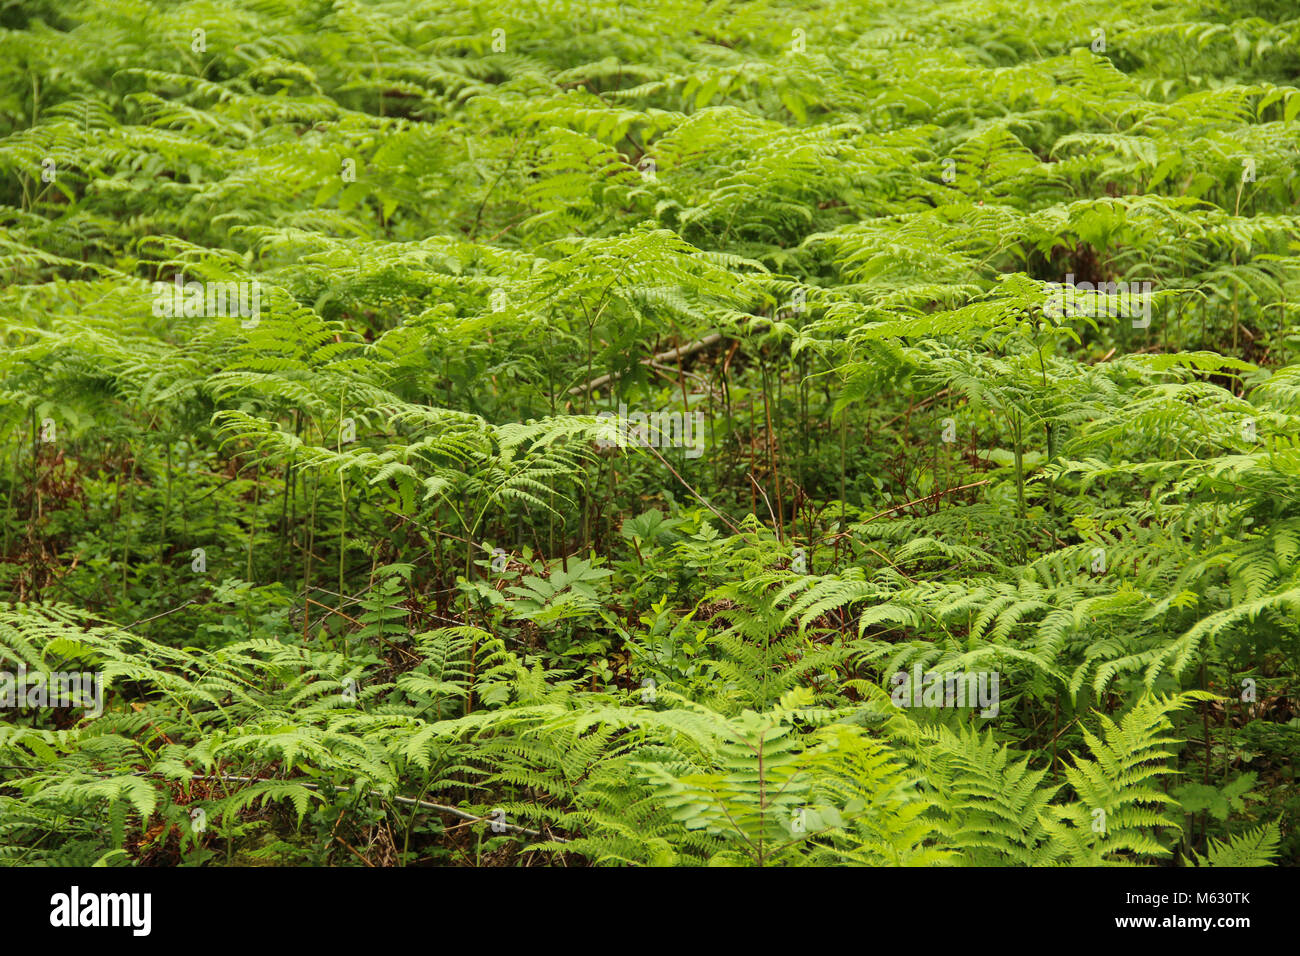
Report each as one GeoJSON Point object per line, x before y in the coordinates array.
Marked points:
{"type": "Point", "coordinates": [953, 338]}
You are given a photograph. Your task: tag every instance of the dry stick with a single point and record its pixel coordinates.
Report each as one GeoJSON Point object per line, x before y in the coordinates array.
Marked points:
{"type": "Point", "coordinates": [163, 614]}
{"type": "Point", "coordinates": [31, 504]}
{"type": "Point", "coordinates": [931, 497]}
{"type": "Point", "coordinates": [343, 506]}
{"type": "Point", "coordinates": [311, 545]}
{"type": "Point", "coordinates": [753, 452]}
{"type": "Point", "coordinates": [893, 565]}
{"type": "Point", "coordinates": [767, 502]}
{"type": "Point", "coordinates": [167, 507]}
{"type": "Point", "coordinates": [844, 435]}
{"type": "Point", "coordinates": [13, 486]}
{"type": "Point", "coordinates": [725, 520]}
{"type": "Point", "coordinates": [290, 485]}
{"type": "Point", "coordinates": [252, 525]}
{"type": "Point", "coordinates": [771, 458]}
{"type": "Point", "coordinates": [348, 847]}
{"type": "Point", "coordinates": [668, 356]}
{"type": "Point", "coordinates": [920, 404]}
{"type": "Point", "coordinates": [407, 801]}
{"type": "Point", "coordinates": [334, 610]}
{"type": "Point", "coordinates": [667, 371]}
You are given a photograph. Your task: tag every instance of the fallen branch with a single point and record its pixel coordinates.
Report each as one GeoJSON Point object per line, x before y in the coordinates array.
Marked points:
{"type": "Point", "coordinates": [682, 351]}
{"type": "Point", "coordinates": [919, 405]}
{"type": "Point", "coordinates": [408, 801]}
{"type": "Point", "coordinates": [932, 497]}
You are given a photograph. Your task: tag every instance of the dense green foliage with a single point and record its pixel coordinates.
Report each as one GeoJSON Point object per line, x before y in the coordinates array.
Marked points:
{"type": "Point", "coordinates": [371, 580]}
